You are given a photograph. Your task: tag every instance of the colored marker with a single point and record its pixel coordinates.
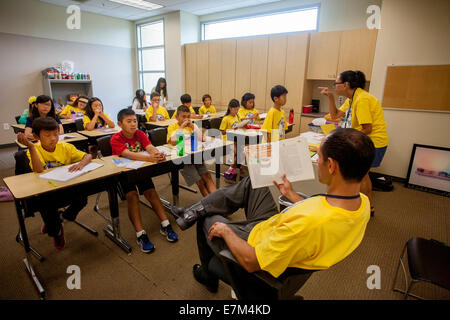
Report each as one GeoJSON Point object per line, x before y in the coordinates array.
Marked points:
{"type": "Point", "coordinates": [52, 183]}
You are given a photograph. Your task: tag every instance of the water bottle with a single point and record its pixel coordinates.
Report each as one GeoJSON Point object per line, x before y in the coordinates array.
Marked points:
{"type": "Point", "coordinates": [193, 141]}
{"type": "Point", "coordinates": [73, 116]}
{"type": "Point", "coordinates": [291, 116]}
{"type": "Point", "coordinates": [180, 144]}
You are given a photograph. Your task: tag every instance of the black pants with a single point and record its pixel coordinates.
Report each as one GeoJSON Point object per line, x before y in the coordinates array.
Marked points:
{"type": "Point", "coordinates": [257, 203]}
{"type": "Point", "coordinates": [50, 216]}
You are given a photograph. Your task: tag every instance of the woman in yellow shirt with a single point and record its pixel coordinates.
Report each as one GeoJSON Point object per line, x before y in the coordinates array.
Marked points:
{"type": "Point", "coordinates": [206, 108]}
{"type": "Point", "coordinates": [95, 117]}
{"type": "Point", "coordinates": [361, 111]}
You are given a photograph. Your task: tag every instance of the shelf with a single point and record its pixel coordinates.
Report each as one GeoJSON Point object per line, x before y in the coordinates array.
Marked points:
{"type": "Point", "coordinates": [69, 81]}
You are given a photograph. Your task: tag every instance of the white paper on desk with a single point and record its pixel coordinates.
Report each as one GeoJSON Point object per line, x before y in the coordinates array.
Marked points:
{"type": "Point", "coordinates": [134, 164]}
{"type": "Point", "coordinates": [164, 150]}
{"type": "Point", "coordinates": [268, 162]}
{"type": "Point", "coordinates": [263, 115]}
{"type": "Point", "coordinates": [62, 137]}
{"type": "Point", "coordinates": [212, 143]}
{"type": "Point", "coordinates": [205, 116]}
{"type": "Point", "coordinates": [62, 173]}
{"type": "Point", "coordinates": [242, 124]}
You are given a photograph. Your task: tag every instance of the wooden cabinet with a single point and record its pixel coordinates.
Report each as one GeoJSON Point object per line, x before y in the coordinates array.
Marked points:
{"type": "Point", "coordinates": [304, 121]}
{"type": "Point", "coordinates": [324, 55]}
{"type": "Point", "coordinates": [330, 53]}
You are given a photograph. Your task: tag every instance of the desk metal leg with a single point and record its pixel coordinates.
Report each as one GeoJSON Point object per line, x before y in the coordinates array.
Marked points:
{"type": "Point", "coordinates": [174, 179]}
{"type": "Point", "coordinates": [113, 231]}
{"type": "Point", "coordinates": [26, 245]}
{"type": "Point", "coordinates": [19, 239]}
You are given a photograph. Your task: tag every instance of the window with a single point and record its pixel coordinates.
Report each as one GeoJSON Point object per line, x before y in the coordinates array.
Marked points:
{"type": "Point", "coordinates": [288, 21]}
{"type": "Point", "coordinates": [151, 54]}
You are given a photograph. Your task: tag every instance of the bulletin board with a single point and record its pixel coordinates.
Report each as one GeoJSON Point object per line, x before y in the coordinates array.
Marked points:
{"type": "Point", "coordinates": [417, 88]}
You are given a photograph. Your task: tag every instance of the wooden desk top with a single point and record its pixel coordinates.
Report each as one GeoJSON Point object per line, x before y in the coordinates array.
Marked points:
{"type": "Point", "coordinates": [96, 133]}
{"type": "Point", "coordinates": [164, 123]}
{"type": "Point", "coordinates": [212, 116]}
{"type": "Point", "coordinates": [76, 135]}
{"type": "Point", "coordinates": [18, 125]}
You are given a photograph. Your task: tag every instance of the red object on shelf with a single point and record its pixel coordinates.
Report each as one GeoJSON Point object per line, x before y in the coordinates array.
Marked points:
{"type": "Point", "coordinates": [253, 126]}
{"type": "Point", "coordinates": [307, 109]}
{"type": "Point", "coordinates": [291, 116]}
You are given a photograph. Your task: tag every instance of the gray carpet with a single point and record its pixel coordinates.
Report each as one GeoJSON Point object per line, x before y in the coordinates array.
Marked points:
{"type": "Point", "coordinates": [108, 273]}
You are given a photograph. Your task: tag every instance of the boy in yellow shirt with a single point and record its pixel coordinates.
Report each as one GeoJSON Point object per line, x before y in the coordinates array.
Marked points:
{"type": "Point", "coordinates": [186, 100]}
{"type": "Point", "coordinates": [312, 234]}
{"type": "Point", "coordinates": [248, 111]}
{"type": "Point", "coordinates": [275, 124]}
{"type": "Point", "coordinates": [206, 108]}
{"type": "Point", "coordinates": [192, 173]}
{"type": "Point", "coordinates": [50, 153]}
{"type": "Point", "coordinates": [155, 112]}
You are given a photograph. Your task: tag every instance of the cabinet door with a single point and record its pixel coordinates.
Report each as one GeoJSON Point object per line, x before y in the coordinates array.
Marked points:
{"type": "Point", "coordinates": [190, 71]}
{"type": "Point", "coordinates": [228, 72]}
{"type": "Point", "coordinates": [324, 55]}
{"type": "Point", "coordinates": [243, 67]}
{"type": "Point", "coordinates": [276, 64]}
{"type": "Point", "coordinates": [357, 51]}
{"type": "Point", "coordinates": [258, 75]}
{"type": "Point", "coordinates": [202, 72]}
{"type": "Point", "coordinates": [214, 71]}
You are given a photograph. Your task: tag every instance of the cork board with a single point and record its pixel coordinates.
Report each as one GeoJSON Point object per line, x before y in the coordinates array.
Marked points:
{"type": "Point", "coordinates": [417, 87]}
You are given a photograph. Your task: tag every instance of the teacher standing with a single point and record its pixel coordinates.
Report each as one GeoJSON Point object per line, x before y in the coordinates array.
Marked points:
{"type": "Point", "coordinates": [161, 88]}
{"type": "Point", "coordinates": [363, 112]}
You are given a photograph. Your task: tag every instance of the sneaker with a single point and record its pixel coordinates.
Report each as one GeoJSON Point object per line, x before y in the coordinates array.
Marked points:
{"type": "Point", "coordinates": [230, 174]}
{"type": "Point", "coordinates": [59, 241]}
{"type": "Point", "coordinates": [171, 235]}
{"type": "Point", "coordinates": [209, 281]}
{"type": "Point", "coordinates": [145, 244]}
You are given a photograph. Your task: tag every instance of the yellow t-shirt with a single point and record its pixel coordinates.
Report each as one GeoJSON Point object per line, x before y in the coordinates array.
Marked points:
{"type": "Point", "coordinates": [68, 110]}
{"type": "Point", "coordinates": [245, 113]}
{"type": "Point", "coordinates": [205, 110]}
{"type": "Point", "coordinates": [275, 120]}
{"type": "Point", "coordinates": [366, 109]}
{"type": "Point", "coordinates": [190, 109]}
{"type": "Point", "coordinates": [172, 129]}
{"type": "Point", "coordinates": [161, 113]}
{"type": "Point", "coordinates": [64, 154]}
{"type": "Point", "coordinates": [310, 234]}
{"type": "Point", "coordinates": [86, 120]}
{"type": "Point", "coordinates": [228, 122]}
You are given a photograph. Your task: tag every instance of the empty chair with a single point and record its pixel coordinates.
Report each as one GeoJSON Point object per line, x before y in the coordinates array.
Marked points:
{"type": "Point", "coordinates": [158, 136]}
{"type": "Point", "coordinates": [17, 119]}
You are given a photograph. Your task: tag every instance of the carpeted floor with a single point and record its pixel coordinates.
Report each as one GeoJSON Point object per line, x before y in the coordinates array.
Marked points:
{"type": "Point", "coordinates": [108, 273]}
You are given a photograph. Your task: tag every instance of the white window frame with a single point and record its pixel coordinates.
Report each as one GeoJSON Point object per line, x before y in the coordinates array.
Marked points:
{"type": "Point", "coordinates": [309, 7]}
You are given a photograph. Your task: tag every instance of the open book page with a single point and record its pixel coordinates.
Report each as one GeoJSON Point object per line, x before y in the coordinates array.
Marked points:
{"type": "Point", "coordinates": [268, 162]}
{"type": "Point", "coordinates": [63, 174]}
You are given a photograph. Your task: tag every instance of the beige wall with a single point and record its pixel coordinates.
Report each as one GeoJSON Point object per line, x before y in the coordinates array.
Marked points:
{"type": "Point", "coordinates": [412, 32]}
{"type": "Point", "coordinates": [33, 36]}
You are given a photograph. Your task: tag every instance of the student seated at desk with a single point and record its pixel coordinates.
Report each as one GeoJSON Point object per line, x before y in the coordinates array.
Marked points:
{"type": "Point", "coordinates": [95, 117]}
{"type": "Point", "coordinates": [229, 122]}
{"type": "Point", "coordinates": [129, 143]}
{"type": "Point", "coordinates": [44, 107]}
{"type": "Point", "coordinates": [248, 111]}
{"type": "Point", "coordinates": [312, 234]}
{"type": "Point", "coordinates": [275, 124]}
{"type": "Point", "coordinates": [50, 153]}
{"type": "Point", "coordinates": [192, 173]}
{"type": "Point", "coordinates": [186, 100]}
{"type": "Point", "coordinates": [155, 112]}
{"type": "Point", "coordinates": [206, 108]}
{"type": "Point", "coordinates": [27, 112]}
{"type": "Point", "coordinates": [78, 107]}
{"type": "Point", "coordinates": [140, 101]}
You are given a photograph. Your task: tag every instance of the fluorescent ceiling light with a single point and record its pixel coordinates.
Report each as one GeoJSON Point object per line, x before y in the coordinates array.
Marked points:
{"type": "Point", "coordinates": [141, 4]}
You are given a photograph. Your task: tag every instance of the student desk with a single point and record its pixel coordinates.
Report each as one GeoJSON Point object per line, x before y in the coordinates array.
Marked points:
{"type": "Point", "coordinates": [159, 124]}
{"type": "Point", "coordinates": [97, 133]}
{"type": "Point", "coordinates": [79, 141]}
{"type": "Point", "coordinates": [68, 126]}
{"type": "Point", "coordinates": [27, 188]}
{"type": "Point", "coordinates": [210, 116]}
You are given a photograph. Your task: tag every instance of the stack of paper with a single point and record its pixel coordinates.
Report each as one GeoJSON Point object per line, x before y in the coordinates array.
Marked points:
{"type": "Point", "coordinates": [127, 163]}
{"type": "Point", "coordinates": [65, 136]}
{"type": "Point", "coordinates": [63, 174]}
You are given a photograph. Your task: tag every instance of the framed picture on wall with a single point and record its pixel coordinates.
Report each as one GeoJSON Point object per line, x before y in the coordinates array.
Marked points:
{"type": "Point", "coordinates": [429, 169]}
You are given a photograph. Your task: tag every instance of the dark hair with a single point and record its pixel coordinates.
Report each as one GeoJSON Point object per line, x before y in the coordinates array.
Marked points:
{"type": "Point", "coordinates": [43, 99]}
{"type": "Point", "coordinates": [44, 123]}
{"type": "Point", "coordinates": [277, 91]}
{"type": "Point", "coordinates": [75, 103]}
{"type": "Point", "coordinates": [232, 104]}
{"type": "Point", "coordinates": [183, 108]}
{"type": "Point", "coordinates": [352, 149]}
{"type": "Point", "coordinates": [185, 98]}
{"type": "Point", "coordinates": [247, 96]}
{"type": "Point", "coordinates": [159, 89]}
{"type": "Point", "coordinates": [125, 112]}
{"type": "Point", "coordinates": [356, 79]}
{"type": "Point", "coordinates": [206, 96]}
{"type": "Point", "coordinates": [90, 113]}
{"type": "Point", "coordinates": [140, 95]}
{"type": "Point", "coordinates": [154, 94]}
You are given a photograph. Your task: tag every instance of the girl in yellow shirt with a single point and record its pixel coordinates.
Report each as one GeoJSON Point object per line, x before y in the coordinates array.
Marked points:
{"type": "Point", "coordinates": [95, 117]}
{"type": "Point", "coordinates": [206, 108]}
{"type": "Point", "coordinates": [78, 106]}
{"type": "Point", "coordinates": [230, 121]}
{"type": "Point", "coordinates": [248, 111]}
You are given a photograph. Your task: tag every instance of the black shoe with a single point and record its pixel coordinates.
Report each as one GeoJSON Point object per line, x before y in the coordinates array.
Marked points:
{"type": "Point", "coordinates": [209, 281]}
{"type": "Point", "coordinates": [186, 217]}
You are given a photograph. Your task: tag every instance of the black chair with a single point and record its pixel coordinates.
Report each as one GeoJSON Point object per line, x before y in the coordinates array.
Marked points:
{"type": "Point", "coordinates": [79, 124]}
{"type": "Point", "coordinates": [215, 123]}
{"type": "Point", "coordinates": [196, 109]}
{"type": "Point", "coordinates": [259, 285]}
{"type": "Point", "coordinates": [158, 136]}
{"type": "Point", "coordinates": [428, 261]}
{"type": "Point", "coordinates": [17, 119]}
{"type": "Point", "coordinates": [171, 112]}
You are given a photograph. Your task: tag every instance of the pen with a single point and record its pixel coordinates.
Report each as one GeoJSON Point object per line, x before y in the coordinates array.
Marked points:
{"type": "Point", "coordinates": [52, 183]}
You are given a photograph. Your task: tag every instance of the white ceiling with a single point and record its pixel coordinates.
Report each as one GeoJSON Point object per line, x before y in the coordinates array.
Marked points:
{"type": "Point", "coordinates": [197, 7]}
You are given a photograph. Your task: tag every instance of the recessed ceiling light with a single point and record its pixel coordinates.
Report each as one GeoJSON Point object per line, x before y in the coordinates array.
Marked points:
{"type": "Point", "coordinates": [141, 4]}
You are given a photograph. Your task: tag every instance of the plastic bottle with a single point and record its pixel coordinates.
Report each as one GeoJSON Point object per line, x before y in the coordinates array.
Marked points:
{"type": "Point", "coordinates": [73, 116]}
{"type": "Point", "coordinates": [193, 141]}
{"type": "Point", "coordinates": [180, 144]}
{"type": "Point", "coordinates": [291, 116]}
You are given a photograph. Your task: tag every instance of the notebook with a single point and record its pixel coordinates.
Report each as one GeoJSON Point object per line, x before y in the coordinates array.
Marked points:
{"type": "Point", "coordinates": [62, 173]}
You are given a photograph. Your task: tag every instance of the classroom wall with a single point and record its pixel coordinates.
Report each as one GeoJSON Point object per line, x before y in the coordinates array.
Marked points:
{"type": "Point", "coordinates": [33, 36]}
{"type": "Point", "coordinates": [413, 32]}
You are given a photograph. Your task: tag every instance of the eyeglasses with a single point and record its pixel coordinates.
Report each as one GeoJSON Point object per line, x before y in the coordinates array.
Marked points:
{"type": "Point", "coordinates": [337, 83]}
